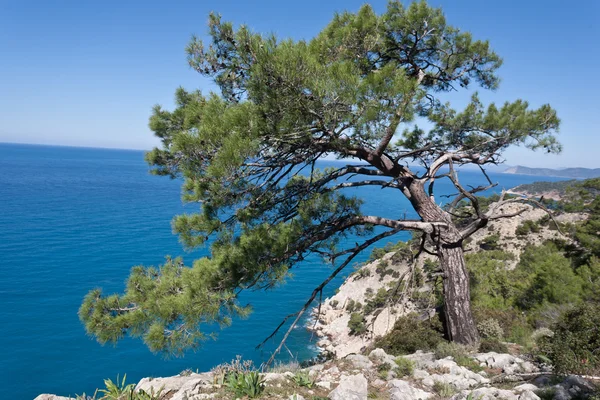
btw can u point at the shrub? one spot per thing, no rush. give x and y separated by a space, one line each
334 303
489 345
527 227
376 302
404 367
248 384
357 324
459 353
302 378
490 242
574 348
411 334
352 306
490 329
443 389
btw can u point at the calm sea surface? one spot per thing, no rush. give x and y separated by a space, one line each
72 219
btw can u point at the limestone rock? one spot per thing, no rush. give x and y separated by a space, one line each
353 387
360 361
402 390
529 395
52 397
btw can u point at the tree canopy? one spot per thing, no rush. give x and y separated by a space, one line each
247 155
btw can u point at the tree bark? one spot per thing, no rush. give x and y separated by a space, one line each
460 325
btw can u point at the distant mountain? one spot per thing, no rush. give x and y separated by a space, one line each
577 173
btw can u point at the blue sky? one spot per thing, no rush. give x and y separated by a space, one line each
86 73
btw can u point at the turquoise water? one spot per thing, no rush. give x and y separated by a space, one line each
72 219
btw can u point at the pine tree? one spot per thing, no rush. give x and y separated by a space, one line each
358 91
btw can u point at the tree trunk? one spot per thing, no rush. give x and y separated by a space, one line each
460 325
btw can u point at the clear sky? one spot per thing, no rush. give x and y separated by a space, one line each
86 73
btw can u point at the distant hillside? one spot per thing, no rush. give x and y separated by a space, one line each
577 173
551 190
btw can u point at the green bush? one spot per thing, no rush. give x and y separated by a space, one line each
404 367
489 345
411 334
490 329
527 227
575 346
357 324
248 384
459 353
302 378
377 301
490 242
352 306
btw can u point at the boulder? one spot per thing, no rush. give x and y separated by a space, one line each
402 390
359 361
52 397
179 387
353 387
529 395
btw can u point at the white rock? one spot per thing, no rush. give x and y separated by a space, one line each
181 386
524 387
491 393
402 390
360 361
529 395
324 384
46 396
353 387
296 396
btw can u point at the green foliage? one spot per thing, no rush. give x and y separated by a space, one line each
490 329
527 227
411 334
490 242
443 389
489 345
116 390
241 384
404 367
574 347
357 324
247 155
459 353
303 379
377 301
491 283
353 305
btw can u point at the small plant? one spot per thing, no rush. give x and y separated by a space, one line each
490 329
353 305
86 397
143 395
410 334
404 367
302 378
334 303
443 389
459 353
116 390
357 324
492 345
242 384
490 242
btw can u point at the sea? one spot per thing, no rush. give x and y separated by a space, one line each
73 219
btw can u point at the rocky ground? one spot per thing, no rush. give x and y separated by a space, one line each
382 376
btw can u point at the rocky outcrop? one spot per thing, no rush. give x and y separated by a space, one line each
387 272
360 377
